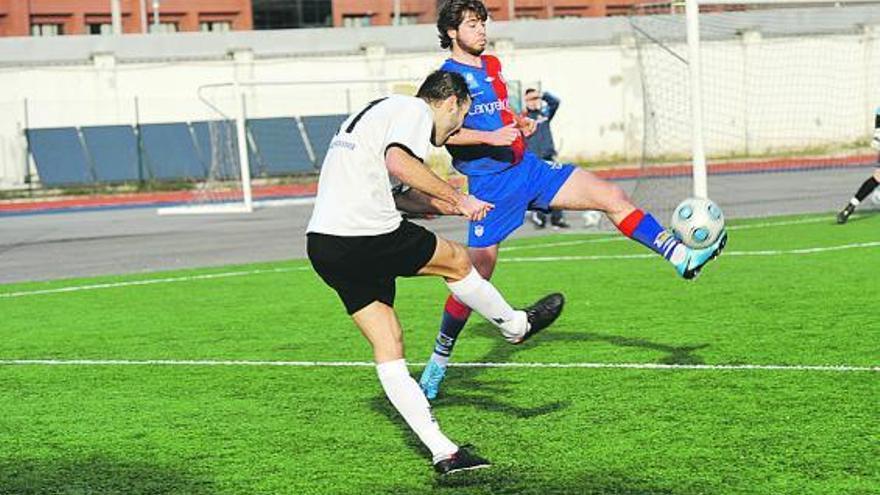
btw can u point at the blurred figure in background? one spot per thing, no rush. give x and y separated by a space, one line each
541 107
871 183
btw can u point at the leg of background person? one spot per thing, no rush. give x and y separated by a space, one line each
539 218
557 218
864 190
379 324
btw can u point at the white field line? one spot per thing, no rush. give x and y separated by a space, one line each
151 281
824 218
617 237
9 295
365 364
776 252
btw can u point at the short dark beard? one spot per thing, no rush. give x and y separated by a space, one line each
472 51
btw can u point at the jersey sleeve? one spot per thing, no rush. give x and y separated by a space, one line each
492 60
410 130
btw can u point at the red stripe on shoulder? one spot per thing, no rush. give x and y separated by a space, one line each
492 64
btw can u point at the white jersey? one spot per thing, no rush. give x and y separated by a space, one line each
354 189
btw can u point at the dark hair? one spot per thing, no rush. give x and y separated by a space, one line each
452 14
441 84
531 90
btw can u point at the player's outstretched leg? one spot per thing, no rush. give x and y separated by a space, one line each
866 188
585 191
380 326
470 290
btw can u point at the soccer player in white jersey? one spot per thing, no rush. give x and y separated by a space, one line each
359 243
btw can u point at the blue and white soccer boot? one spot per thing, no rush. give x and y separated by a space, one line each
696 259
432 377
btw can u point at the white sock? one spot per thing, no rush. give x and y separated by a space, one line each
406 396
854 201
481 296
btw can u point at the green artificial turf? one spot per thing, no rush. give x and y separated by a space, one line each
792 291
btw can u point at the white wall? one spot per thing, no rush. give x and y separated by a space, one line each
831 96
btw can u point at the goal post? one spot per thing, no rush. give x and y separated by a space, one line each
225 185
698 154
266 133
752 89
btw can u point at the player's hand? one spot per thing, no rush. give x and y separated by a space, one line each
444 207
504 136
472 208
527 125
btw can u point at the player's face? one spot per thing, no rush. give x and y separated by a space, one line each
450 118
471 34
533 101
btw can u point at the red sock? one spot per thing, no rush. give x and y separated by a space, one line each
628 225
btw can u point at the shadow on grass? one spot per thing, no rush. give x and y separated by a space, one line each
96 475
468 386
507 480
503 352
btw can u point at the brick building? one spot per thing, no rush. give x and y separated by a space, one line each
354 13
62 17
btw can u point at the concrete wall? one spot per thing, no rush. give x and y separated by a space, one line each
760 92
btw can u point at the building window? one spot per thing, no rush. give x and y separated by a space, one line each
215 26
47 29
101 28
164 27
356 20
407 19
287 14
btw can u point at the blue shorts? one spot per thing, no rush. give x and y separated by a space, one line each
530 185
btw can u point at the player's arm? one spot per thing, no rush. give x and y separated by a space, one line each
413 201
414 173
504 136
552 104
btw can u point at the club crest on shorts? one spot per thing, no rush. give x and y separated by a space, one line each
478 230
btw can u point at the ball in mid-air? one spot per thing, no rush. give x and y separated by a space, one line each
697 222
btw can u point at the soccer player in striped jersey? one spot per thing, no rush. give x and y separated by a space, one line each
491 151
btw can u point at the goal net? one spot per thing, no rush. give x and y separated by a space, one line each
788 92
267 137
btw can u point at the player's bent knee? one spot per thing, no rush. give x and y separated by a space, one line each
460 263
450 261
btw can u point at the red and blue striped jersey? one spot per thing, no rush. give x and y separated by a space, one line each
490 110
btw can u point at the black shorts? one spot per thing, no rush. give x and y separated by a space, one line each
362 269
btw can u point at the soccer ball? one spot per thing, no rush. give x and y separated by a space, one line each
592 218
697 222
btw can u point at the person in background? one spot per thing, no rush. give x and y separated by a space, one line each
541 107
